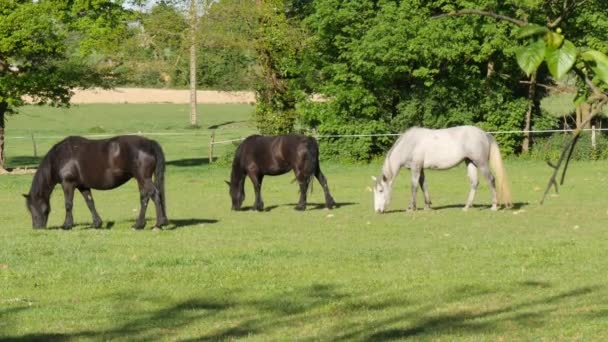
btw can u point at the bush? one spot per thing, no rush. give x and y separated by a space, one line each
549 148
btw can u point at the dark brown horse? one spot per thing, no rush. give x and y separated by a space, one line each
258 156
83 164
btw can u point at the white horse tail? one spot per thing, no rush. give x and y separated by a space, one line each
502 183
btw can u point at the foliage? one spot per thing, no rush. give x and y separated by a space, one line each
389 66
550 148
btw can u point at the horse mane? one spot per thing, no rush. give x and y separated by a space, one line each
42 183
386 167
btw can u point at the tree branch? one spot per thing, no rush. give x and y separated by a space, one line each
483 13
569 147
568 8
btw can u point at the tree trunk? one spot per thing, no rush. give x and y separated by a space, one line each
525 148
583 111
193 20
3 107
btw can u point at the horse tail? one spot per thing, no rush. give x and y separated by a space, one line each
313 161
159 178
502 183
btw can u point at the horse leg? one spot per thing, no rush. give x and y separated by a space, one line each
88 197
329 201
423 185
68 194
416 171
154 193
144 197
256 179
303 180
472 173
485 170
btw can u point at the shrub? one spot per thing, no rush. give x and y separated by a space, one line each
549 148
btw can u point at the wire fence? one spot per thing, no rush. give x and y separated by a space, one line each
322 136
208 138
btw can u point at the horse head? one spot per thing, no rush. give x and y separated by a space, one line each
382 193
39 208
237 193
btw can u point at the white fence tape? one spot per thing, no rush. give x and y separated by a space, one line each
398 134
314 135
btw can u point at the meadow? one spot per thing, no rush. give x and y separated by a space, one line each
535 272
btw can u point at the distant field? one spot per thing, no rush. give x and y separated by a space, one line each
531 273
170 121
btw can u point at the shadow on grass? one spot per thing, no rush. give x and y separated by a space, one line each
23 162
516 206
309 206
189 162
181 223
463 311
216 126
173 224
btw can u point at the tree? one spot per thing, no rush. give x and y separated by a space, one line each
546 45
37 59
269 32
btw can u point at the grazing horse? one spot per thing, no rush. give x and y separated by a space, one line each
258 156
421 148
83 164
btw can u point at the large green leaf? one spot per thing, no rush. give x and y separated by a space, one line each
601 63
554 40
560 61
530 56
530 30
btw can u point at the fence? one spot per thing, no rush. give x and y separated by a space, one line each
213 142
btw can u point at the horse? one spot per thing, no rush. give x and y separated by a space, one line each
421 148
259 155
83 164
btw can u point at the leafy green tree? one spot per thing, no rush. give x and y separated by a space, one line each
385 66
546 45
49 47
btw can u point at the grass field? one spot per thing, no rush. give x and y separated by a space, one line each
532 273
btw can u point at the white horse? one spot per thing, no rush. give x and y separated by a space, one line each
421 148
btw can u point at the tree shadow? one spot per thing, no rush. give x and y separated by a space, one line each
23 162
188 162
216 126
464 321
247 316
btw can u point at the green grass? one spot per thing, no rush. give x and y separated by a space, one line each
533 273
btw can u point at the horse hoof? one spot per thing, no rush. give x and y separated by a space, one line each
162 223
97 225
465 209
157 229
139 226
66 227
494 208
300 207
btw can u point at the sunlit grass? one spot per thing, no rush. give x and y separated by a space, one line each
531 273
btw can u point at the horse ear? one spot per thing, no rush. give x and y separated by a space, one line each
374 178
227 182
27 196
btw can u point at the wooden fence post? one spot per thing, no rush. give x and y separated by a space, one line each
211 144
35 147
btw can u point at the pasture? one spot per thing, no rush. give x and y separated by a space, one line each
531 273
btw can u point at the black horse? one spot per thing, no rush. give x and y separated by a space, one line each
83 164
258 156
